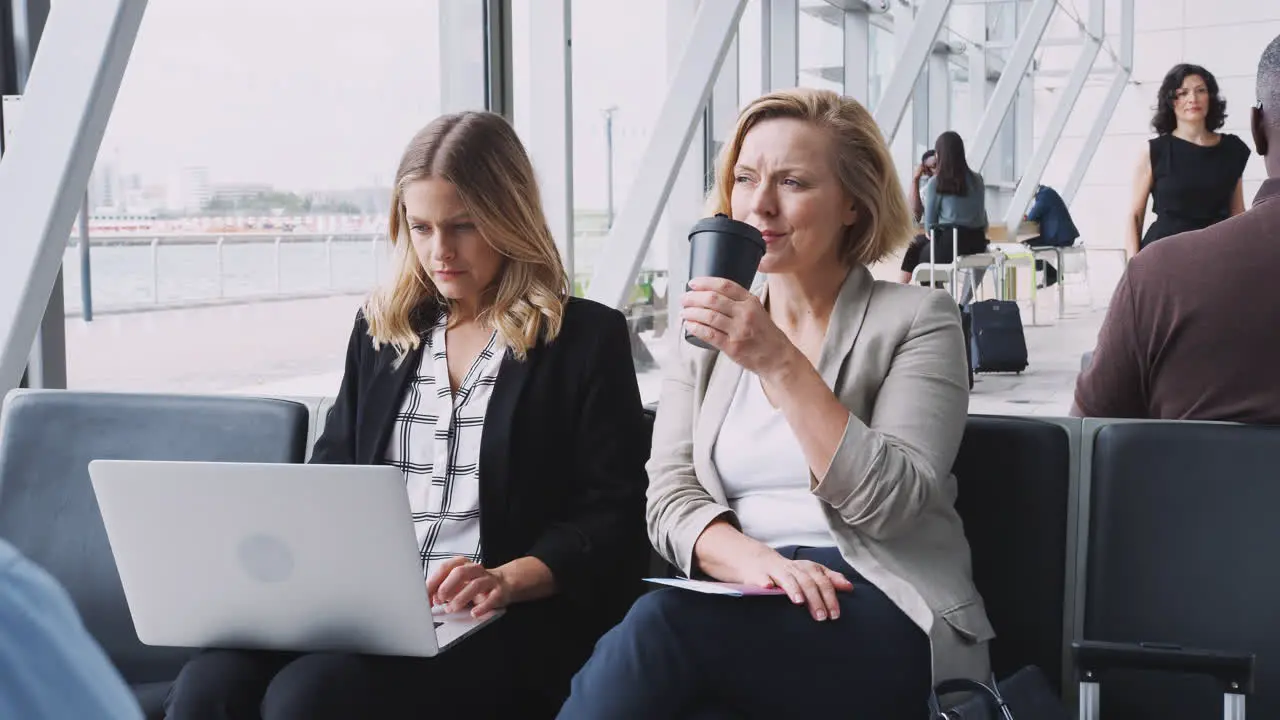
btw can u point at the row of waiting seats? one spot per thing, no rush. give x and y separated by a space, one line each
1105 530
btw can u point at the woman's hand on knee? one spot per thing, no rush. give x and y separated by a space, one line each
724 553
806 583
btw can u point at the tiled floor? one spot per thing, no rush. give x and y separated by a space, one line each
1048 384
1054 345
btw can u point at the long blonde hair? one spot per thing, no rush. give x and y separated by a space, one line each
863 165
480 155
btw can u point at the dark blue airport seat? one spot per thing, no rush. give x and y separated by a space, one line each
1014 479
49 512
1014 484
1181 534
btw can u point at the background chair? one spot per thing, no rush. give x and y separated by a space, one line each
49 512
1060 256
1181 534
947 273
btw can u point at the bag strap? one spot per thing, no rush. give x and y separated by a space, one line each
946 687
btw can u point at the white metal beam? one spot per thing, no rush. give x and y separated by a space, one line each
915 51
47 364
857 59
1096 130
1126 34
1010 80
753 42
1108 107
551 117
1052 133
724 97
783 32
1030 179
73 85
681 111
978 66
939 96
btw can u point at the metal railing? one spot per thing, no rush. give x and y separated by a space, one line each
147 276
220 241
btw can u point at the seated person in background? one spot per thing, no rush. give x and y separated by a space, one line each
1056 228
49 665
923 172
762 474
1186 336
514 412
954 197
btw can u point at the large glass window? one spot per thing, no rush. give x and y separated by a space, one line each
620 81
881 61
821 45
238 202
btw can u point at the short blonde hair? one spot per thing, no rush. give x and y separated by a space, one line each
481 155
863 165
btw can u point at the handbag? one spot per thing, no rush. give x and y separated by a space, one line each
1024 695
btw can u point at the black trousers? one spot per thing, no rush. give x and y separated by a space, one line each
680 654
1050 272
971 241
477 678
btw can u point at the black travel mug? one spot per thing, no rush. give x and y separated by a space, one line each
725 248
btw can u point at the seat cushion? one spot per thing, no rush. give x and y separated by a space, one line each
151 697
48 509
1013 477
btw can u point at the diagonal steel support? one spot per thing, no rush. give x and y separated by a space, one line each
69 96
1100 121
1108 107
687 95
915 52
1010 79
1066 103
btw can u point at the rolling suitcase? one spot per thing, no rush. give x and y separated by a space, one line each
998 343
1093 659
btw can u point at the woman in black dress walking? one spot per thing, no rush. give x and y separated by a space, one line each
1191 171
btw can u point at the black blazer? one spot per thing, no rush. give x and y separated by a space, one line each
562 459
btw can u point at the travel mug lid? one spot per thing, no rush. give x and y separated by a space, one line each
722 223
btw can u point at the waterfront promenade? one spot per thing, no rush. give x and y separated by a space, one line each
297 348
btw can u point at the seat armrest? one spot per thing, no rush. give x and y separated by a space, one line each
1094 659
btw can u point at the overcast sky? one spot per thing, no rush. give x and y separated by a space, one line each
324 94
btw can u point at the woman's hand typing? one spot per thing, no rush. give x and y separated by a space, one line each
460 583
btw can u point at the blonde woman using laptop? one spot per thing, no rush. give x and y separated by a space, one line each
810 452
514 413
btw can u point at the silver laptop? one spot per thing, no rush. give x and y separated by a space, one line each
271 556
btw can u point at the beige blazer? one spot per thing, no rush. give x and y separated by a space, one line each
894 355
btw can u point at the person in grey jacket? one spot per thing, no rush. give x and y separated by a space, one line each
809 454
50 667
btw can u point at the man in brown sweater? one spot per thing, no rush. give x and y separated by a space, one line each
1193 331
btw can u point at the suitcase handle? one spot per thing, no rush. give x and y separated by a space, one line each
1092 659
